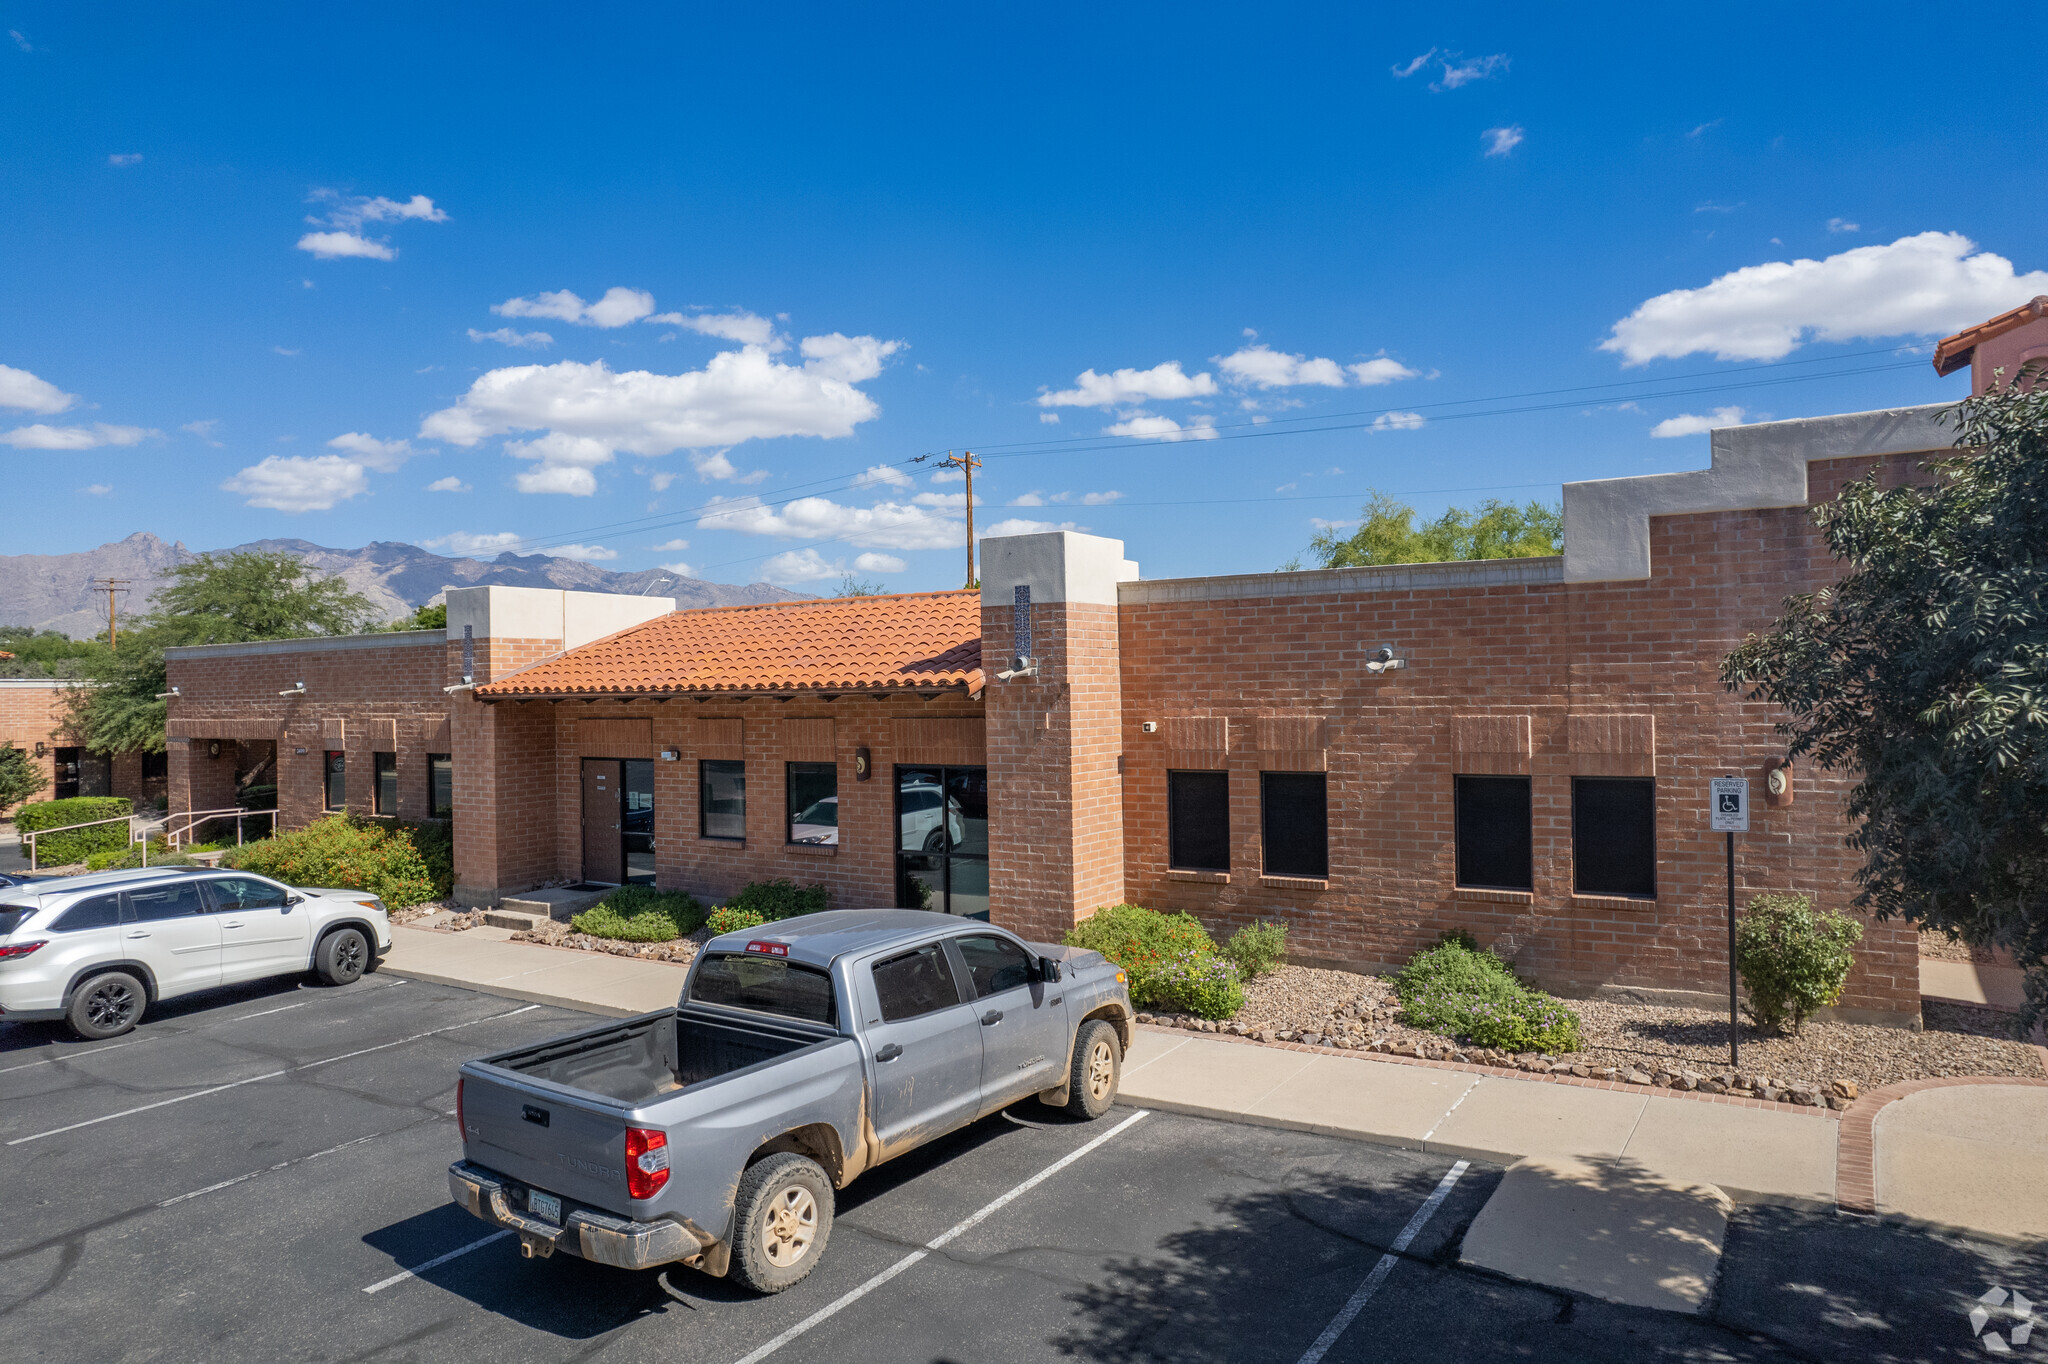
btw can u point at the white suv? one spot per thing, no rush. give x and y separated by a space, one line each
96 950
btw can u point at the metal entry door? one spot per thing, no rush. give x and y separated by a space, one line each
604 848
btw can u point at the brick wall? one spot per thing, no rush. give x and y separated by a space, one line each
32 713
1485 662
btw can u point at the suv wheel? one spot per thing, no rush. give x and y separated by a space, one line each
342 958
106 1006
784 1218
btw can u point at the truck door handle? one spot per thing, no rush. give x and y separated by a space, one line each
991 1018
888 1052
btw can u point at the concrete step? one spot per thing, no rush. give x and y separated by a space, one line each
518 922
560 903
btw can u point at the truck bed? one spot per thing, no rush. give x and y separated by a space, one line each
654 1056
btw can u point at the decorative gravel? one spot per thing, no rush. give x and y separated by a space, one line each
557 934
1646 1044
1934 943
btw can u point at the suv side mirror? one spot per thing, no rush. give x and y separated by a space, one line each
291 900
1048 970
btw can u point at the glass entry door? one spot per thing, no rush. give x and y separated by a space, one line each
942 839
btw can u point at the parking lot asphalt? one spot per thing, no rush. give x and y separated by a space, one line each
251 1175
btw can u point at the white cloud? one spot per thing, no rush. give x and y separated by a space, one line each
1843 225
716 468
1017 525
125 159
619 307
22 390
19 41
1049 418
41 437
670 546
299 483
587 553
1099 499
886 525
204 430
450 484
1406 69
1370 373
849 359
287 351
741 326
381 455
344 246
463 544
1130 386
883 476
660 482
945 501
879 563
1320 524
1397 421
97 489
1501 141
1463 72
1925 285
589 412
681 570
951 475
1141 424
799 566
1030 499
353 210
509 336
1264 367
1710 123
1687 424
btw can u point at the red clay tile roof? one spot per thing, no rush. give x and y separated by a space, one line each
920 639
1954 352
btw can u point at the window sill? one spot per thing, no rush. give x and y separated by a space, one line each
1612 902
1501 897
1213 878
1295 882
812 849
714 838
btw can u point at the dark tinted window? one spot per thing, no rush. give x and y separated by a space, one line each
1614 836
1294 812
11 917
1493 832
385 792
244 892
915 983
722 799
768 985
440 785
173 901
813 803
994 964
337 780
101 911
1198 820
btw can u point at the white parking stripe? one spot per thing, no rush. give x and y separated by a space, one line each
269 1169
267 1012
1386 1265
402 1275
236 1084
855 1295
70 1055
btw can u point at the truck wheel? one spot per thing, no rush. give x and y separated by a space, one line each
1098 1068
342 957
106 1006
782 1219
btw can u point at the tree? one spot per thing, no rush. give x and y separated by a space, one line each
1387 534
850 586
20 777
422 618
1925 671
215 599
43 653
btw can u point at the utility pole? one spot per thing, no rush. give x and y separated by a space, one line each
966 462
110 586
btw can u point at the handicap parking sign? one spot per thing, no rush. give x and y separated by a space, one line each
1728 805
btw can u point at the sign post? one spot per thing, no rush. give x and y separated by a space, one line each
1728 812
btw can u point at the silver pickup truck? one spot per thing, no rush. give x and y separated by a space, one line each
801 1054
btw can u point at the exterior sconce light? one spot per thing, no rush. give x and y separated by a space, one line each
1382 660
297 689
1777 783
1149 727
863 764
42 750
167 695
213 748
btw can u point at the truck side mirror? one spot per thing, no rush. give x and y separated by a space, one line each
1048 970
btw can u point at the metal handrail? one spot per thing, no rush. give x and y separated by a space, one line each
194 818
30 836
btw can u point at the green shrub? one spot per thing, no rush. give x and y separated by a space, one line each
435 840
160 855
1160 953
729 920
641 914
345 853
1258 948
779 899
1200 983
1793 960
1459 991
61 850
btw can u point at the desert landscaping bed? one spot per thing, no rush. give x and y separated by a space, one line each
556 934
1826 1063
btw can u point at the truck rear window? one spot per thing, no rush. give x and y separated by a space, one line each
766 985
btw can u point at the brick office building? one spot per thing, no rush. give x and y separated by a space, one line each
32 718
1517 748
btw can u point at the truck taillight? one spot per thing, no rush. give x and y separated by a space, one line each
461 1127
646 1161
19 949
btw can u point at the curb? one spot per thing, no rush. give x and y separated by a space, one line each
582 1006
1855 1156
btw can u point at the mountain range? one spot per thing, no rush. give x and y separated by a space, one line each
54 591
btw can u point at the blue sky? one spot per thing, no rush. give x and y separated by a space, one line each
677 286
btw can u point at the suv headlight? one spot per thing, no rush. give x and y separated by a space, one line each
373 904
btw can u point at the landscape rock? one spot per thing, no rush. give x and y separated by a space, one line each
1636 1077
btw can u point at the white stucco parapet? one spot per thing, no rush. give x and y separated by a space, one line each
575 618
1607 521
1058 566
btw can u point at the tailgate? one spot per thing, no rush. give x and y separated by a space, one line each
537 1136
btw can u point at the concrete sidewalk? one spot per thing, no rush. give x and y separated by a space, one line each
487 959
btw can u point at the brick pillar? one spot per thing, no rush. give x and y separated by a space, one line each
1056 837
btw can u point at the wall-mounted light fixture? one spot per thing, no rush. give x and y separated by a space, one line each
42 750
167 695
213 748
297 689
1382 660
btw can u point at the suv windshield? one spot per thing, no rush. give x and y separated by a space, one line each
767 985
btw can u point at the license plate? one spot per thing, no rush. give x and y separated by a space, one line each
545 1206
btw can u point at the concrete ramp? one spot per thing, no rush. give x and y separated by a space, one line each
1610 1230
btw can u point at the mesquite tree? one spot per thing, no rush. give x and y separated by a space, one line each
1924 670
